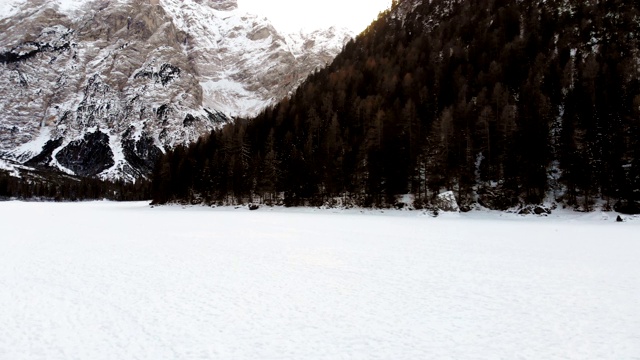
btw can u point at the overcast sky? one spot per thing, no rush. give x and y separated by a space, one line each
291 15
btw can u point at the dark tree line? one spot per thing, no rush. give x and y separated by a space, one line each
502 102
45 185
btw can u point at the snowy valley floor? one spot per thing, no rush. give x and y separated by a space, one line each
125 281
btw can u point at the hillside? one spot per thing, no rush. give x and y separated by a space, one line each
103 88
505 103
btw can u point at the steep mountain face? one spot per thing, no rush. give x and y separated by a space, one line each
105 87
506 103
244 63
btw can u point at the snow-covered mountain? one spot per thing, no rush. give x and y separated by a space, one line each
102 87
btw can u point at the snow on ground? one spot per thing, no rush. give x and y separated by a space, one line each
125 281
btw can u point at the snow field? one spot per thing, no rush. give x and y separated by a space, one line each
125 281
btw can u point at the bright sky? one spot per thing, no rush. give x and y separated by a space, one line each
292 15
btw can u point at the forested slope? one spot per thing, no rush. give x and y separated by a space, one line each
503 102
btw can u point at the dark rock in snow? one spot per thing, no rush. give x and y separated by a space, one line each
534 210
44 158
88 156
141 154
447 202
166 74
29 50
619 219
217 117
539 210
189 120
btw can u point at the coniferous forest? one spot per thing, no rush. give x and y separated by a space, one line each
51 186
503 102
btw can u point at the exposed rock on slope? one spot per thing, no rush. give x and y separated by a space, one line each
103 87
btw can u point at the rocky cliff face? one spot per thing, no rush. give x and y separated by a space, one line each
243 61
103 87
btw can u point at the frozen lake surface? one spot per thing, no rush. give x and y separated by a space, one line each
125 281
